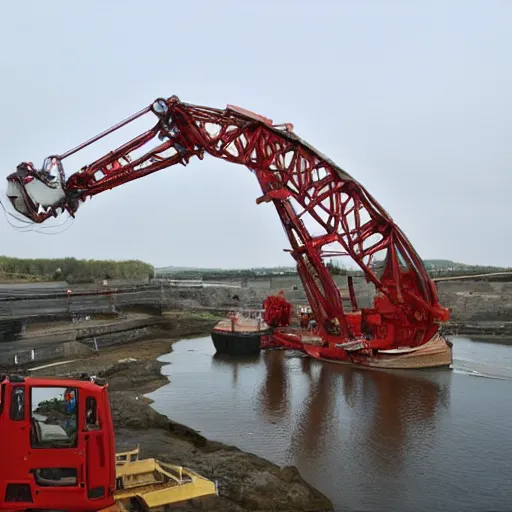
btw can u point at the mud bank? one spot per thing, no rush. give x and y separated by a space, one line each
246 482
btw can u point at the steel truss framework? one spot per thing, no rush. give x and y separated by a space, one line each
325 212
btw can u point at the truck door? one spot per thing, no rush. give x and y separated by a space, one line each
14 429
56 456
97 446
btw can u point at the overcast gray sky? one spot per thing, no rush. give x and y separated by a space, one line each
411 98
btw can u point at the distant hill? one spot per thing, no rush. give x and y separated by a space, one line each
183 269
435 267
221 273
443 264
171 269
450 265
430 264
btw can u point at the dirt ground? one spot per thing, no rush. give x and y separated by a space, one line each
246 482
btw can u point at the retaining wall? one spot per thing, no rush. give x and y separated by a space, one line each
73 343
15 357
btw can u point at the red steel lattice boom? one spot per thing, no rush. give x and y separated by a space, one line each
325 212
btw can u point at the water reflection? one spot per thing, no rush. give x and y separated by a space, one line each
317 421
370 440
305 365
274 393
234 362
405 409
378 414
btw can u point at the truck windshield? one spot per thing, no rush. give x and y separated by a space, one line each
54 417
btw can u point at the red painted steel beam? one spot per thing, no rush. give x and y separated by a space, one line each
306 189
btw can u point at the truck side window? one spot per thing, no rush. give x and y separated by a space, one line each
54 417
18 403
91 414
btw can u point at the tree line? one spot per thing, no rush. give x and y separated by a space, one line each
71 269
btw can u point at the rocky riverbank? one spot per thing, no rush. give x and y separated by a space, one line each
246 482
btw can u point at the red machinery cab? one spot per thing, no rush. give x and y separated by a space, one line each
56 444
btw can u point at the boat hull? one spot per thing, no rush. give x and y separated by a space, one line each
436 353
237 342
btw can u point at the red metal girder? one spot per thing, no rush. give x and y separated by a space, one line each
304 186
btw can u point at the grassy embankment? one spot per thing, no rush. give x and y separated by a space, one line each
71 270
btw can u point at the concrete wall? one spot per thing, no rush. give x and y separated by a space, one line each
82 305
469 299
16 289
254 294
69 350
73 343
117 338
172 297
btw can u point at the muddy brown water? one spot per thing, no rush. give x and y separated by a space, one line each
370 440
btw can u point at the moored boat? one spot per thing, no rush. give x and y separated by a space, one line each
242 333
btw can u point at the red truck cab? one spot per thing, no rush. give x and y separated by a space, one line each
57 445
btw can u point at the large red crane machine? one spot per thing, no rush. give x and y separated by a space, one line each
325 212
